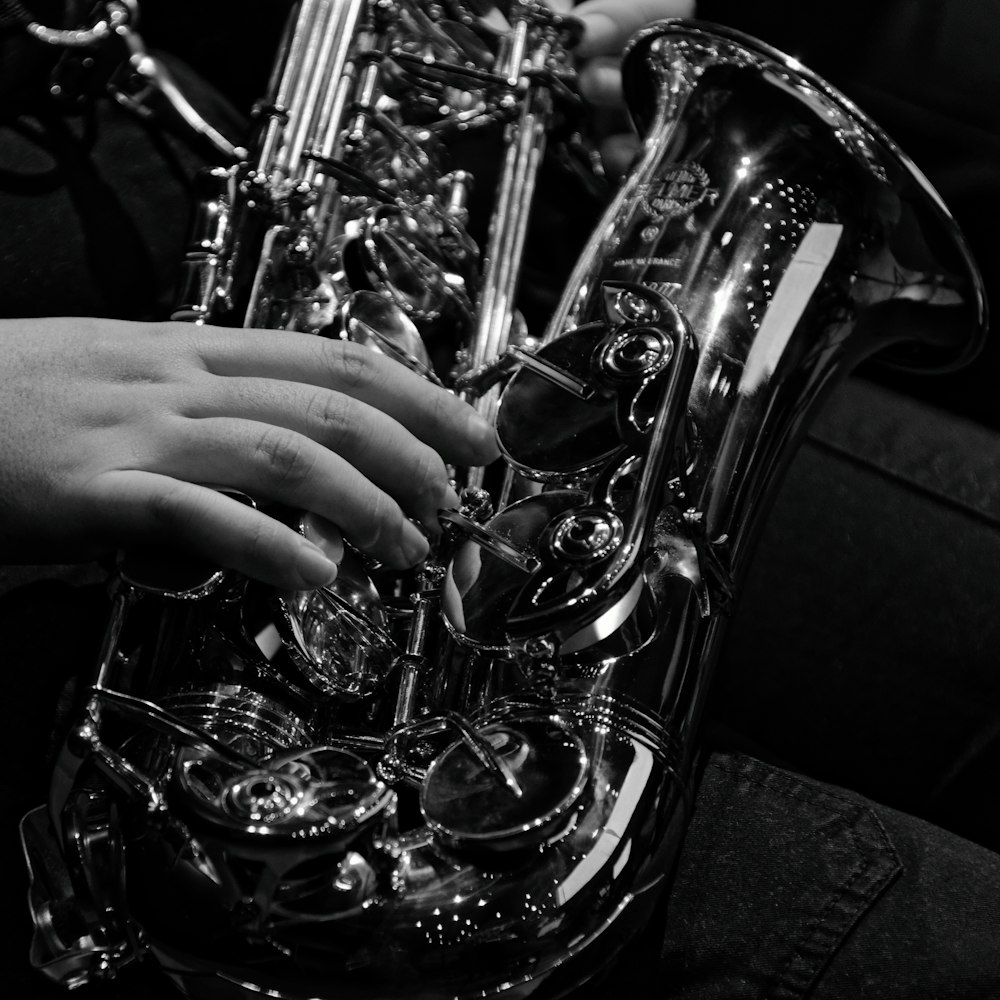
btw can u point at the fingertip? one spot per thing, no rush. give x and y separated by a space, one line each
482 437
618 153
601 83
413 546
313 566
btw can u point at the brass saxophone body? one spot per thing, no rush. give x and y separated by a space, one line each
473 780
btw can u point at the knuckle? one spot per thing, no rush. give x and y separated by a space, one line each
180 335
443 409
330 412
179 343
356 366
284 458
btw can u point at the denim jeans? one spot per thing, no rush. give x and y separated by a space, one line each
788 888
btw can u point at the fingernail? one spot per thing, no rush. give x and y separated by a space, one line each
413 544
313 566
324 534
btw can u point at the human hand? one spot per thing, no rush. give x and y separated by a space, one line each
608 25
112 434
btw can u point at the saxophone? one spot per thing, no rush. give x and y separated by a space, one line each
473 779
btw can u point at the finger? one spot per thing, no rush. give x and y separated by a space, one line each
601 82
608 24
375 444
434 415
143 507
618 153
276 464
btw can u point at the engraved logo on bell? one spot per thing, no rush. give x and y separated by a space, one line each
678 192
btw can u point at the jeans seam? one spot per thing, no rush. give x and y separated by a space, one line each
789 983
786 981
817 793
